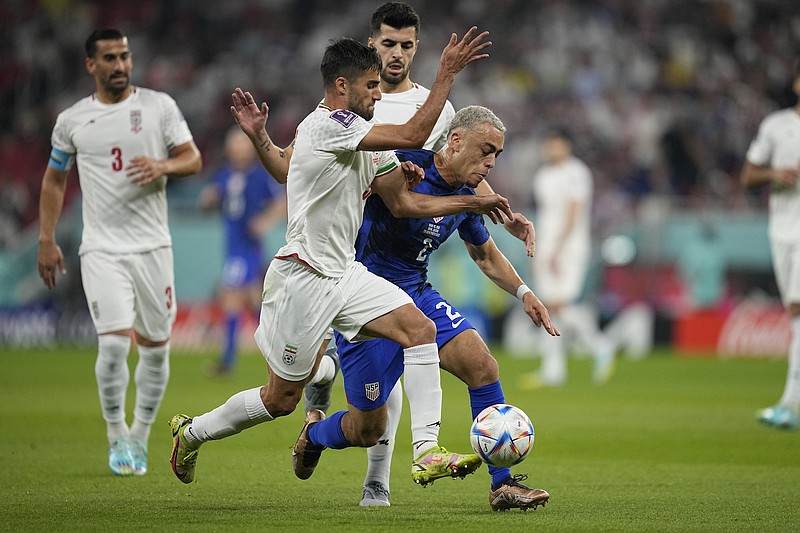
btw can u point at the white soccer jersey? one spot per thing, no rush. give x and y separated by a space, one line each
119 216
398 108
327 186
777 145
555 187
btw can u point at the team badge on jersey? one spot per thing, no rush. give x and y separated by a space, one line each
289 353
372 390
136 120
344 117
438 219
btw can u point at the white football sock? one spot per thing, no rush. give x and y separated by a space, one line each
424 393
151 377
379 457
791 392
111 371
242 410
326 371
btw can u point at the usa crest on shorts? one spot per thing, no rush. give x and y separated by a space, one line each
372 390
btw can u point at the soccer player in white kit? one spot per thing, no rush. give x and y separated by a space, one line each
314 281
563 191
126 141
774 159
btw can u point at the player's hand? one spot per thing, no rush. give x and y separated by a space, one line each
785 177
522 228
539 314
413 173
50 260
144 171
495 207
251 119
458 54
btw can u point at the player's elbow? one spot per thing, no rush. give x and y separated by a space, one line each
400 209
196 164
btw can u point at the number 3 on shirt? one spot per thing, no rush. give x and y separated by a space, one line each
116 162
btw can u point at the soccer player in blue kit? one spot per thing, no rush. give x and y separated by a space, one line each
251 203
398 249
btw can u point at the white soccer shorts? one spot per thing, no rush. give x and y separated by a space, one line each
300 306
786 263
132 290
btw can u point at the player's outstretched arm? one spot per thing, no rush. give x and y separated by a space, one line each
499 269
402 203
51 201
252 119
457 54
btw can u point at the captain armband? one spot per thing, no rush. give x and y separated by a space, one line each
61 160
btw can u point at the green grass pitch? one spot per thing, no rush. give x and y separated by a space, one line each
670 444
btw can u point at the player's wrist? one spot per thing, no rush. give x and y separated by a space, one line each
522 290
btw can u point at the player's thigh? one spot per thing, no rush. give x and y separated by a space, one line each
109 291
786 263
370 370
366 298
298 308
154 284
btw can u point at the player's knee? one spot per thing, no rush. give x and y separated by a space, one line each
369 433
421 331
794 309
482 371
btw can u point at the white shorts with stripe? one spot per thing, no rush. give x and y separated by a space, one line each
300 306
135 290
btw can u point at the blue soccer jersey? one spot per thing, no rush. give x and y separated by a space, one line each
244 196
399 249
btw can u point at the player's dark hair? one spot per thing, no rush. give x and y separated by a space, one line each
348 58
558 132
398 15
797 68
105 34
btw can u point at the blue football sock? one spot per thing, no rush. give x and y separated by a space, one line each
479 399
329 432
229 349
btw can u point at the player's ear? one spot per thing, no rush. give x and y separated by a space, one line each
89 62
370 42
454 141
341 84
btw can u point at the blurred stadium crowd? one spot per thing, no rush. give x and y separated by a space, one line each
662 96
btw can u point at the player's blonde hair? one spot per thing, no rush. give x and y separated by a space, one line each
471 116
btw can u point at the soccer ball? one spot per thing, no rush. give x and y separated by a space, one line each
502 435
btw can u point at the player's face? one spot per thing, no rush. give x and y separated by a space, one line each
396 48
111 65
362 93
476 152
556 150
239 149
